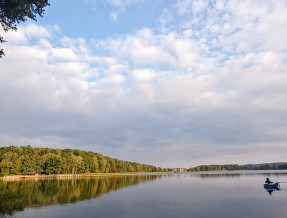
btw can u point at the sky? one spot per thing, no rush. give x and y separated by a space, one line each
170 83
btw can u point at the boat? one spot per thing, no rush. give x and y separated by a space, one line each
274 186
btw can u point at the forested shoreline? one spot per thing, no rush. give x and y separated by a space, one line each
264 166
26 160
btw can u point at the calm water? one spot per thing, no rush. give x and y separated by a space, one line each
234 194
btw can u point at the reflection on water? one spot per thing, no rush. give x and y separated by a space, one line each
17 195
218 175
270 191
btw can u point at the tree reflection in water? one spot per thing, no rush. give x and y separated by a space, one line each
17 195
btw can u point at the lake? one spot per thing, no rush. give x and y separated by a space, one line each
215 194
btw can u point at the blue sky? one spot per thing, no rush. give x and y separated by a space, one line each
171 83
101 19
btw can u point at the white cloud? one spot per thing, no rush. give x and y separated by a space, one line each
64 54
33 30
16 37
116 68
143 74
142 49
23 33
115 79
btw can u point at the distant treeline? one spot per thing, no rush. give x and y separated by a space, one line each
29 161
265 166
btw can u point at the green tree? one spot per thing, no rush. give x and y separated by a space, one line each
28 165
51 164
95 165
10 163
113 166
77 165
13 12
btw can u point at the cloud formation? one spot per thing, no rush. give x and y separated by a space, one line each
207 86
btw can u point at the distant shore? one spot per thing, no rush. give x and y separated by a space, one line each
68 176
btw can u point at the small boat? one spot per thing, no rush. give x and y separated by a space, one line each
274 186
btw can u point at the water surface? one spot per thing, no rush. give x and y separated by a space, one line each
216 194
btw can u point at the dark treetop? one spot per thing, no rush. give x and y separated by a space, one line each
13 12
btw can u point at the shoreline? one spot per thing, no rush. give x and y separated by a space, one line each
72 176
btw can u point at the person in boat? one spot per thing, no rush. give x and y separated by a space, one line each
268 181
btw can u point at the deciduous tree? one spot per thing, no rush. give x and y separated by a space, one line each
12 12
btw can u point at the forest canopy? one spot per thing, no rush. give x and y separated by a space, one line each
26 160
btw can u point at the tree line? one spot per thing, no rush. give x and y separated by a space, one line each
264 166
26 160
